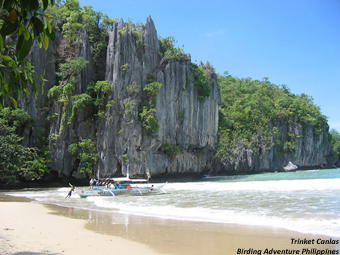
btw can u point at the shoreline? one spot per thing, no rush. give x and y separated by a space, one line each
32 228
23 226
53 180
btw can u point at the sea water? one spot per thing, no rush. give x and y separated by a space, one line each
303 201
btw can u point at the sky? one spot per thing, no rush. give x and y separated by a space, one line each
292 42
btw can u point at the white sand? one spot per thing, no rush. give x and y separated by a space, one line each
34 229
30 228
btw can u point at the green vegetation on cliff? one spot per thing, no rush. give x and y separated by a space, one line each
335 141
86 152
147 109
249 106
201 82
168 51
70 17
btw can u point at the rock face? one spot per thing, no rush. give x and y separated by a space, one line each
195 133
308 150
186 122
44 62
290 167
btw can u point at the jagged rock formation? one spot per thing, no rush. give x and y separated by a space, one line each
196 133
44 62
185 120
309 151
118 135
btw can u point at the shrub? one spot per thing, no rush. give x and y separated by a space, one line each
54 92
132 88
201 83
110 103
17 162
170 149
16 118
150 77
127 107
98 92
147 112
68 89
125 67
52 116
73 149
181 116
88 155
79 101
168 51
86 152
149 122
71 68
152 89
122 31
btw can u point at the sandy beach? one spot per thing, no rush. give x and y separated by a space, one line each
31 228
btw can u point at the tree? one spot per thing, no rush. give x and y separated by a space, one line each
86 152
23 21
70 16
149 121
97 25
98 92
335 141
201 82
71 68
249 106
168 50
73 17
17 162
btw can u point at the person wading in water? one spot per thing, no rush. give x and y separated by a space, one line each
70 192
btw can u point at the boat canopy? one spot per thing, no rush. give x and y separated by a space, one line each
126 179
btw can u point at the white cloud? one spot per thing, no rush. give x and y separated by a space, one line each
334 125
214 34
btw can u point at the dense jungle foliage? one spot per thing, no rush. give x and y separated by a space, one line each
18 162
335 141
249 106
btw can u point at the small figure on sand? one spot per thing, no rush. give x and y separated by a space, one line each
70 192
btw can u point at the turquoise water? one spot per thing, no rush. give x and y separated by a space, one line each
304 201
278 176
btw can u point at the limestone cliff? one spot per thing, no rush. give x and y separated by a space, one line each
195 133
185 121
308 150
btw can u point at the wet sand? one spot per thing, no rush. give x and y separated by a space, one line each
28 228
48 229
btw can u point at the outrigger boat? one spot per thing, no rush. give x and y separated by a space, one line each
121 186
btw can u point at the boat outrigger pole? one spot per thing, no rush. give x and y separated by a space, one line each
128 170
112 193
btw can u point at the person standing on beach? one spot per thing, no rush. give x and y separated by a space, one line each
70 192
